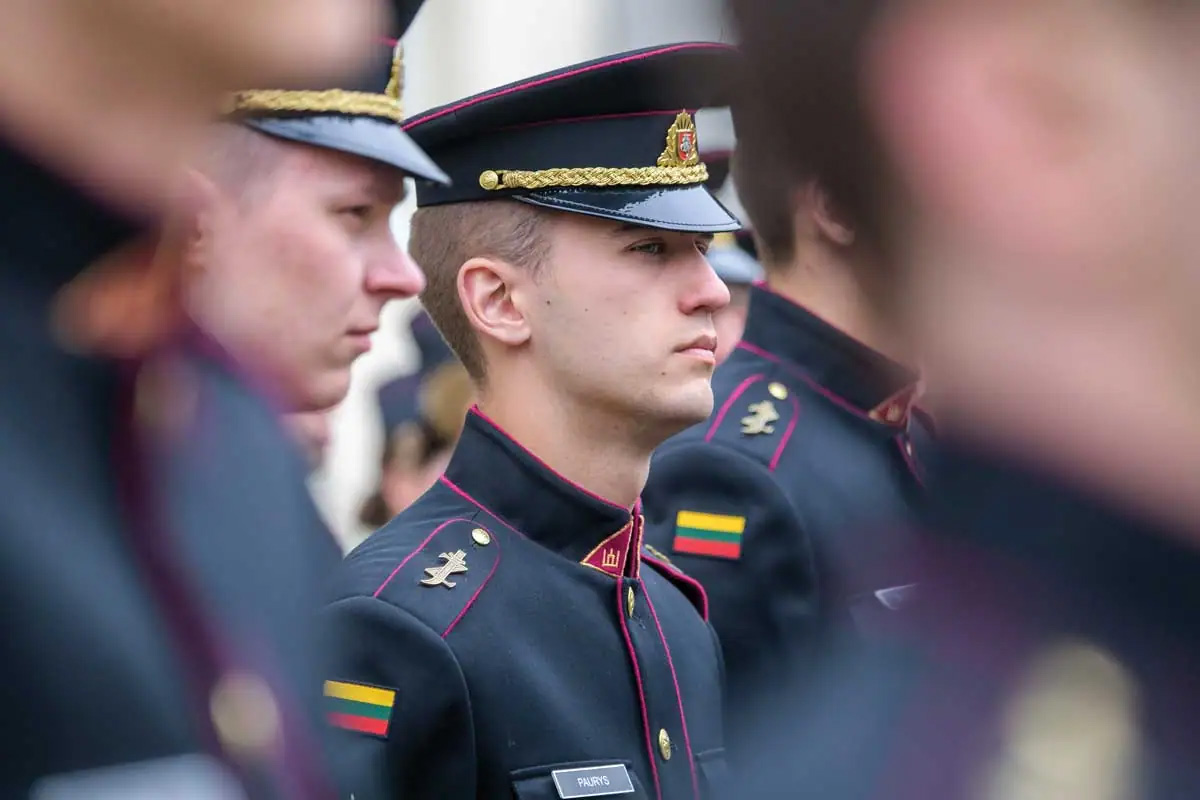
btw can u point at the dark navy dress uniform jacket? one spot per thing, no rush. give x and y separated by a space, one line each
158 547
808 462
561 646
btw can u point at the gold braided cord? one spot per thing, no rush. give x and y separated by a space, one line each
328 101
395 84
567 177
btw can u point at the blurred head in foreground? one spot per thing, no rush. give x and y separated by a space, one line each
1035 174
115 92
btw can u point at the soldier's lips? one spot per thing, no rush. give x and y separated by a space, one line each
360 341
700 354
703 348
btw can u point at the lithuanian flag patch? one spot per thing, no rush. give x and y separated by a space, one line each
702 534
358 707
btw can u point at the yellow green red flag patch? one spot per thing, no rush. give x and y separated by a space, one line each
704 534
358 707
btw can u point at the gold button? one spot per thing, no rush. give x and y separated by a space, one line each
481 537
777 390
664 744
244 714
489 179
629 601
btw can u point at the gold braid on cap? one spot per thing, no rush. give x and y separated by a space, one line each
327 101
679 165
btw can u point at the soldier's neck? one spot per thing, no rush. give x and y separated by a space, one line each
89 107
831 290
593 451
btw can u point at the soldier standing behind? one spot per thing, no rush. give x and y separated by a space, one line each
785 504
506 635
154 621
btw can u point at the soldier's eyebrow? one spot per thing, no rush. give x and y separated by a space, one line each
630 227
387 186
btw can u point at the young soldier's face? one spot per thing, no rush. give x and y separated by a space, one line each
623 319
293 272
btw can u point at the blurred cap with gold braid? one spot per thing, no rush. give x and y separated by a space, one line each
360 116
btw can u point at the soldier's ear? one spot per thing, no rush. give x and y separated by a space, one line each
489 290
195 217
831 224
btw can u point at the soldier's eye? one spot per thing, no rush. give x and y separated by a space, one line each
359 212
650 248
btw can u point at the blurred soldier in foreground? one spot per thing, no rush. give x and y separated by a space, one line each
1044 178
157 546
506 635
422 418
778 503
292 256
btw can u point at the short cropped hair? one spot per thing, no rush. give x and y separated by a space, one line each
442 238
802 117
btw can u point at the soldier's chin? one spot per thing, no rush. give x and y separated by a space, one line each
322 392
690 406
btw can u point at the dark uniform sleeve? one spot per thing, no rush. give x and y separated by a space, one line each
427 750
761 581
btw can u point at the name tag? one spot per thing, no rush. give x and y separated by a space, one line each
187 777
592 781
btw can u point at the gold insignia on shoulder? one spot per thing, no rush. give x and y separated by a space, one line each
760 419
683 150
777 390
456 562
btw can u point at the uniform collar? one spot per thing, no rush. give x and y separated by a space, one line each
50 230
493 471
865 379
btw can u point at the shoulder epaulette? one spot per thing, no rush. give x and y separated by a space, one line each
757 417
690 587
440 580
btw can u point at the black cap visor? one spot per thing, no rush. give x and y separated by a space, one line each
675 208
371 138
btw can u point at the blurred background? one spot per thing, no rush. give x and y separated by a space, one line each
454 49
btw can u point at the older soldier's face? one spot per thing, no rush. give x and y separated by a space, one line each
292 269
624 319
